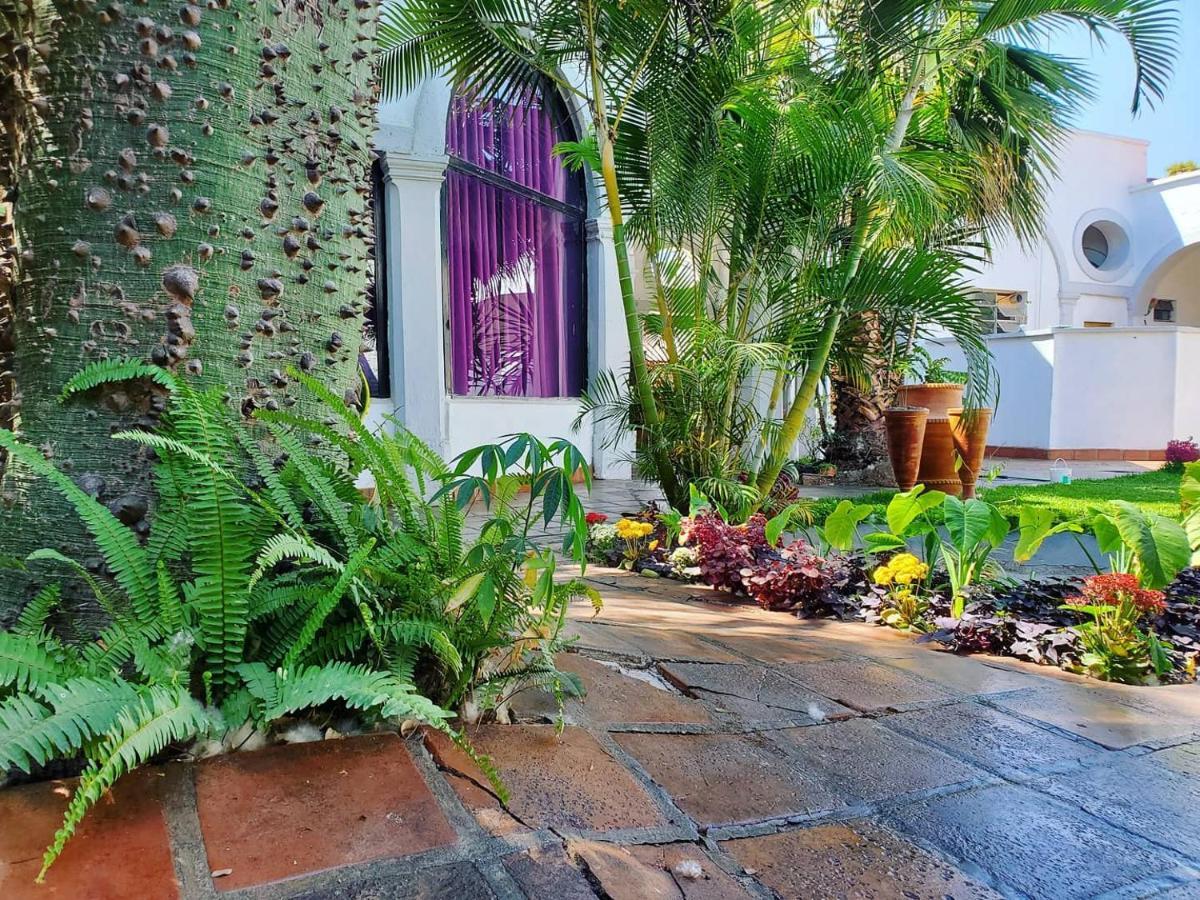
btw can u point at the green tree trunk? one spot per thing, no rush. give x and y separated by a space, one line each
196 195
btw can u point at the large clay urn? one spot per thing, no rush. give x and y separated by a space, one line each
905 437
937 470
937 397
969 429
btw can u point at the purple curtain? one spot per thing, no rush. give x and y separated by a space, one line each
515 262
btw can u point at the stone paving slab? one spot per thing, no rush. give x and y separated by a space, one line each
121 849
857 858
1137 795
866 761
565 781
548 873
868 686
324 805
963 675
752 693
993 739
728 778
670 872
1032 843
613 697
1101 714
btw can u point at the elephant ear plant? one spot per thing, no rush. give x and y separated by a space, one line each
269 587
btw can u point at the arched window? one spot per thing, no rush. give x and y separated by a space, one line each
514 243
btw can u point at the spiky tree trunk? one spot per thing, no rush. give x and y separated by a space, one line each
195 195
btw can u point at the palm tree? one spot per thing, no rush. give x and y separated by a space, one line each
187 183
614 48
967 76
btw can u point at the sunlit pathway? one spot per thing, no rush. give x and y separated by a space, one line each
721 752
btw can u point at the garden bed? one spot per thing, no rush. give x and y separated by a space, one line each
1111 625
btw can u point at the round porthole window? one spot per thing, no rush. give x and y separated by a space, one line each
1102 245
1095 246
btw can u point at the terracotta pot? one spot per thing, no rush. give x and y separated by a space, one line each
936 471
937 398
969 428
905 435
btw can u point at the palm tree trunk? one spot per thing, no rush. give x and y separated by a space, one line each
196 196
633 322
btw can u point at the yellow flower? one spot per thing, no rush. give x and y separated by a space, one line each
883 575
653 545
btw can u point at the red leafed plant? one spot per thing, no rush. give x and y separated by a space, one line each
595 518
795 578
1112 589
724 549
1181 452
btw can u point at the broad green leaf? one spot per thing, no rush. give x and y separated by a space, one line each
906 508
967 523
841 526
466 590
1104 529
1037 524
883 542
1159 544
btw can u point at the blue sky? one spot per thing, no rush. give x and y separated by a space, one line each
1173 127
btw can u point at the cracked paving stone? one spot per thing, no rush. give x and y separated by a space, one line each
614 697
554 781
548 872
292 809
867 686
868 762
857 859
127 825
1033 844
772 648
655 872
728 778
1138 795
992 739
1184 759
753 693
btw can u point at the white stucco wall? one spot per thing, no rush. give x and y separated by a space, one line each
412 136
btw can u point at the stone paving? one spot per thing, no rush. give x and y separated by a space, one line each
722 753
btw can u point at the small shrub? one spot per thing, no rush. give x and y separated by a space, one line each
724 550
1115 647
1179 454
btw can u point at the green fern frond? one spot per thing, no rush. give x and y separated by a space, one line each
287 546
170 604
102 597
346 639
324 494
25 664
33 617
109 371
79 710
163 716
118 544
276 491
268 599
329 602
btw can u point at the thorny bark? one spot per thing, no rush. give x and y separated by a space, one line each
195 194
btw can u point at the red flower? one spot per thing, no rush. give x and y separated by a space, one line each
595 518
1111 589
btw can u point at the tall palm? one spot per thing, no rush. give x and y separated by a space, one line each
614 48
971 72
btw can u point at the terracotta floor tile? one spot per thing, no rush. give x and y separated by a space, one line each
121 849
554 781
615 697
728 778
854 859
294 809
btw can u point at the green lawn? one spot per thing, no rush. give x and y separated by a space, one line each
1154 491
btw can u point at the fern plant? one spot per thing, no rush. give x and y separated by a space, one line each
269 585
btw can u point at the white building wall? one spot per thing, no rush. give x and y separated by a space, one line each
412 136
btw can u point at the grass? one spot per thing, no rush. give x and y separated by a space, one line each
1156 492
